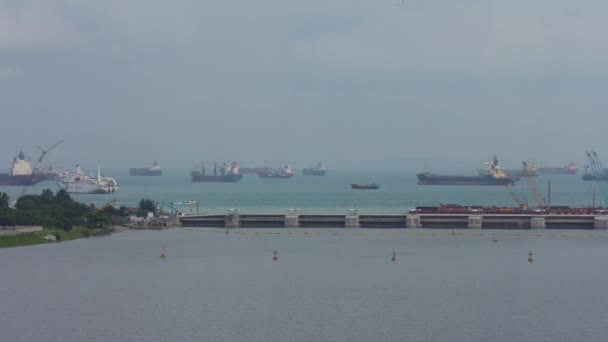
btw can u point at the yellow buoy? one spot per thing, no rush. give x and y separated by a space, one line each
275 255
162 253
394 257
530 259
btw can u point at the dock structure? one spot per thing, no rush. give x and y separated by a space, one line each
540 220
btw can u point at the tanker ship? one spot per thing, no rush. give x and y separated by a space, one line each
221 174
494 176
568 169
148 170
20 173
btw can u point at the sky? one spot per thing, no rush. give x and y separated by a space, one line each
405 84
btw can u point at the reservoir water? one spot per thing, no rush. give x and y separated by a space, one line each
328 285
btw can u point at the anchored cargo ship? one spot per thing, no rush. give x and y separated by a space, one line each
283 172
225 173
20 173
591 177
148 170
568 169
494 176
318 170
250 170
79 183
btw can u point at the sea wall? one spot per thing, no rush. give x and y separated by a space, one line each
16 230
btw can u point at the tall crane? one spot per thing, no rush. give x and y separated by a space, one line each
595 164
38 163
497 172
532 181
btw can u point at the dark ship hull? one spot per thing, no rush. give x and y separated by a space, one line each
432 179
313 172
513 173
365 186
10 180
588 177
229 178
134 171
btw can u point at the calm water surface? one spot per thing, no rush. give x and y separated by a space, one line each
328 285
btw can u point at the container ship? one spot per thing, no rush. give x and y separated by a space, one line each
148 170
568 169
318 170
494 176
226 173
20 173
283 172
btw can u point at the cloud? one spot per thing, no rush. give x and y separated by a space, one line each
487 36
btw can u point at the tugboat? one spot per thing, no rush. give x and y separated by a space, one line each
318 170
372 186
225 173
79 183
148 170
284 172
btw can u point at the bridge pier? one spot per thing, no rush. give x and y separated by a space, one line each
292 221
412 221
232 220
475 222
351 221
537 222
600 222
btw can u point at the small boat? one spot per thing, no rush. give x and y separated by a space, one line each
372 186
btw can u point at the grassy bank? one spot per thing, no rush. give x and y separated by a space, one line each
60 235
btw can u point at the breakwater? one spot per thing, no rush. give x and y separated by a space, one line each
537 220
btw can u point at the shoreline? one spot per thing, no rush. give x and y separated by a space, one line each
38 238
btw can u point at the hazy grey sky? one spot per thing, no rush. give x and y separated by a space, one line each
405 83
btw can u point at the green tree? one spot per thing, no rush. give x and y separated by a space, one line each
146 205
4 200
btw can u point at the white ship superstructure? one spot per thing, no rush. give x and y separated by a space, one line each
79 183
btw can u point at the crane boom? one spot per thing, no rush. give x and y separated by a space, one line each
600 173
533 187
38 163
522 203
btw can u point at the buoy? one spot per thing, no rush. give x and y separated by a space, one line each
162 253
227 231
530 259
494 239
394 257
275 255
453 231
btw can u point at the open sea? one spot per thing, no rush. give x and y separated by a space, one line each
327 194
328 285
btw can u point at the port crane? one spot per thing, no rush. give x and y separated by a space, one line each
595 164
496 171
39 162
527 169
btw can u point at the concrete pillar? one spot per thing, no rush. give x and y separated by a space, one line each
600 222
537 222
412 221
292 221
475 221
351 221
232 220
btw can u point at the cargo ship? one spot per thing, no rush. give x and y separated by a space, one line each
283 172
20 173
318 170
79 183
250 170
528 170
568 169
494 176
372 186
225 173
148 170
591 177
